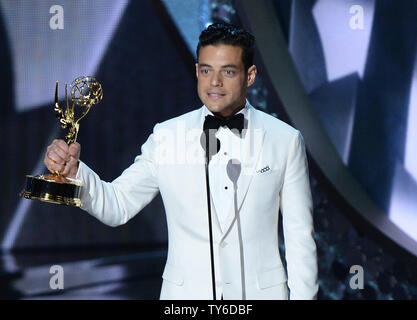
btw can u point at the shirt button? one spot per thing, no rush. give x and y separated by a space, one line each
225 187
225 153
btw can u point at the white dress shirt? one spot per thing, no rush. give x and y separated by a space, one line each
221 187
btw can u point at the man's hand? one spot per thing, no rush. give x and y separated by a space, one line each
60 157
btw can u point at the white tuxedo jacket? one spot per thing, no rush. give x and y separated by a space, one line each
246 248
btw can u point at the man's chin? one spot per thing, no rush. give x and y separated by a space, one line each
215 108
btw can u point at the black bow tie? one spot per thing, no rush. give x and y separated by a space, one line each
235 122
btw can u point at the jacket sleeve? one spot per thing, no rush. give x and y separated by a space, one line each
297 214
115 203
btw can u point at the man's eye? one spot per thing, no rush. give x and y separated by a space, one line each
229 72
204 71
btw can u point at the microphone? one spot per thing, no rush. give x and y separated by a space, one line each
234 168
211 145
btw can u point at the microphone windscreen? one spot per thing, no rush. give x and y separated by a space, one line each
234 167
212 145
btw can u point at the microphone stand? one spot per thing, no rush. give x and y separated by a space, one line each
209 154
213 278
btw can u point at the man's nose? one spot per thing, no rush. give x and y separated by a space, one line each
216 80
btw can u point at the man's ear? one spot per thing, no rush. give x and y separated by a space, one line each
196 70
252 71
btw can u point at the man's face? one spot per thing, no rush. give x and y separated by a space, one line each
221 77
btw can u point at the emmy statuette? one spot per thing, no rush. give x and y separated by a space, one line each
86 91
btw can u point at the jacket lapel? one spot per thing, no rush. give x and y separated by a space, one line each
251 150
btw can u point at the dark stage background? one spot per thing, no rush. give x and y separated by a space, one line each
359 82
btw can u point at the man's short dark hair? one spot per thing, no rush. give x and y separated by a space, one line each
224 33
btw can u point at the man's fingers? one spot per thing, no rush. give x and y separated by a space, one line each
69 166
64 155
75 150
53 167
56 159
61 158
61 145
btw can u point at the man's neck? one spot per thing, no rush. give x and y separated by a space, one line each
236 110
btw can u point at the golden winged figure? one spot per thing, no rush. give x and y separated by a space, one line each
86 91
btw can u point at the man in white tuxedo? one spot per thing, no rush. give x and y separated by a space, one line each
259 170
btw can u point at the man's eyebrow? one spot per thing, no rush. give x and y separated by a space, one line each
223 67
230 66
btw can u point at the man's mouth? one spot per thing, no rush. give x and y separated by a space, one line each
215 95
